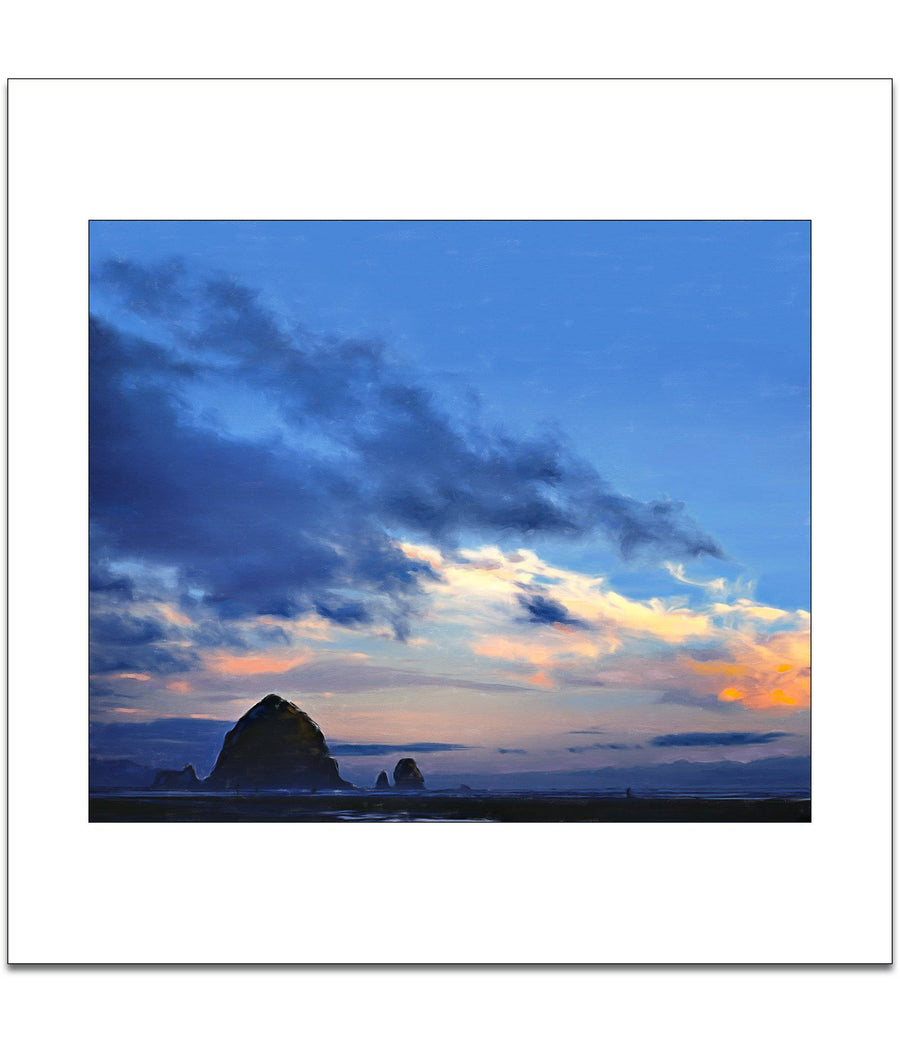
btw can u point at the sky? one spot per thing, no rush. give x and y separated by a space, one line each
503 496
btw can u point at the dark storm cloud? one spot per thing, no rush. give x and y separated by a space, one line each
695 738
152 288
281 521
102 581
100 691
344 614
124 629
255 526
122 643
545 611
140 659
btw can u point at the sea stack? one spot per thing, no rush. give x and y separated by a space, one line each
275 745
381 782
407 775
186 778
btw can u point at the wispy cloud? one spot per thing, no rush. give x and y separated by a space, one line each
616 746
706 738
718 654
376 749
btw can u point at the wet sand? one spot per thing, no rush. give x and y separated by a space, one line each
436 806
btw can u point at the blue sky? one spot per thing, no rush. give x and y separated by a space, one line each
674 354
371 411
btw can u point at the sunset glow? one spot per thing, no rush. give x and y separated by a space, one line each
464 487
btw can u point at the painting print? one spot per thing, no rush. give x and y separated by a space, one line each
449 521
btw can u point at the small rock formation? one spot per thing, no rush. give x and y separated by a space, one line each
407 775
186 778
275 745
465 788
381 782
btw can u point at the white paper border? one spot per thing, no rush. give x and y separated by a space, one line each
450 893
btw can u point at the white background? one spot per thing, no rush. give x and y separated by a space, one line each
542 150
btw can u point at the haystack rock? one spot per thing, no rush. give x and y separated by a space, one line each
186 778
275 745
381 782
407 775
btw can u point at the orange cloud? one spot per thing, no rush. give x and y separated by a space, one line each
514 651
560 646
423 553
312 628
181 687
249 665
725 669
172 615
762 678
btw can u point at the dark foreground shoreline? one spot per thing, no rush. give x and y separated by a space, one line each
436 806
